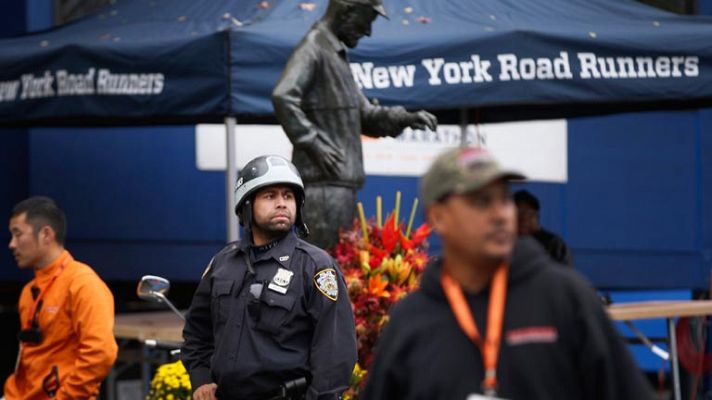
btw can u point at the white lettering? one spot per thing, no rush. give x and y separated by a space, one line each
481 68
452 73
380 78
544 68
527 69
662 67
508 67
626 67
562 68
433 65
676 63
75 84
129 84
691 66
8 90
645 67
607 67
588 66
362 74
402 75
466 66
33 87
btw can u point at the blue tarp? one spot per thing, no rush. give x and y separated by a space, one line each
187 60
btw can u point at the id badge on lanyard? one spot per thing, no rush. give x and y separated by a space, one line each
483 397
489 347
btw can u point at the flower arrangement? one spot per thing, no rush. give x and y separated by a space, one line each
170 382
381 264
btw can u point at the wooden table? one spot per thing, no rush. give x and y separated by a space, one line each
668 310
161 326
166 327
162 329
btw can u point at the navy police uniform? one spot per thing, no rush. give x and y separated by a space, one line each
264 316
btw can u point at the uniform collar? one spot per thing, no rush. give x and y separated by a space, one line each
334 43
282 252
46 273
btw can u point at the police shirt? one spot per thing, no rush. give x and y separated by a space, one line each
251 329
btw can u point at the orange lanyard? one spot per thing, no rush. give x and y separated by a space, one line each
33 310
495 317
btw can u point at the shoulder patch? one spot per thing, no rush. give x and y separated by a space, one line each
325 281
208 268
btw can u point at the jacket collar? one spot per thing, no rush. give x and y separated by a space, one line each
281 252
334 43
46 273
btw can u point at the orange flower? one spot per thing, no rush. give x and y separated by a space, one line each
380 269
377 286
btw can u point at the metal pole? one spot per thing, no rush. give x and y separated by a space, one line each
674 360
230 179
463 127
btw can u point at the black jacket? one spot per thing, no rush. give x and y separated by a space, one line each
554 245
251 332
557 342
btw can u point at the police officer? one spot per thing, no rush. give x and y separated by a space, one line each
271 308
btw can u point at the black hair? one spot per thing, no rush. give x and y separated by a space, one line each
41 211
524 196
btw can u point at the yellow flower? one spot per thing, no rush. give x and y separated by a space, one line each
171 382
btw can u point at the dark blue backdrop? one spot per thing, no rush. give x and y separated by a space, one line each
635 208
197 60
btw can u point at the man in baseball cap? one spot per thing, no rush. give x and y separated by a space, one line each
494 317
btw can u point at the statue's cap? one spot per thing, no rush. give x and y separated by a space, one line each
377 5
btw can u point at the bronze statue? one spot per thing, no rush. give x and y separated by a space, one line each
323 112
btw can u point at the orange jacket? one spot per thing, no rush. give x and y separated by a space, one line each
77 323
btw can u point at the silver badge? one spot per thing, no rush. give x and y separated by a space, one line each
284 258
280 281
283 277
326 283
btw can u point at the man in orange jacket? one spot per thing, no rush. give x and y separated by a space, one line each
67 344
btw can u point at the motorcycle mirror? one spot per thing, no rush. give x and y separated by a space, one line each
153 288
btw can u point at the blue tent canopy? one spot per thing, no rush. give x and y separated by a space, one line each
146 61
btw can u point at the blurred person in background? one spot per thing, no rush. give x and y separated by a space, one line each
495 317
528 224
67 344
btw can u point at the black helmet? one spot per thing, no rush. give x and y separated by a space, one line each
266 171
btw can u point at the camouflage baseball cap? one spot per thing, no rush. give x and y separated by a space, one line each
460 171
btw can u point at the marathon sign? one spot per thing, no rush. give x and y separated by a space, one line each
93 81
509 67
412 152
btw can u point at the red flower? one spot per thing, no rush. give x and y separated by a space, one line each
379 270
390 235
420 235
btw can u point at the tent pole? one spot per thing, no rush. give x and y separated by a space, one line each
463 127
230 179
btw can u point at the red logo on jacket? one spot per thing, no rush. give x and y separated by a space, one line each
532 334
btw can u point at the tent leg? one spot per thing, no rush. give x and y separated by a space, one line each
463 127
230 179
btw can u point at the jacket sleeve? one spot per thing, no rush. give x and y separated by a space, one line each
287 98
198 343
93 321
333 347
379 121
606 368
